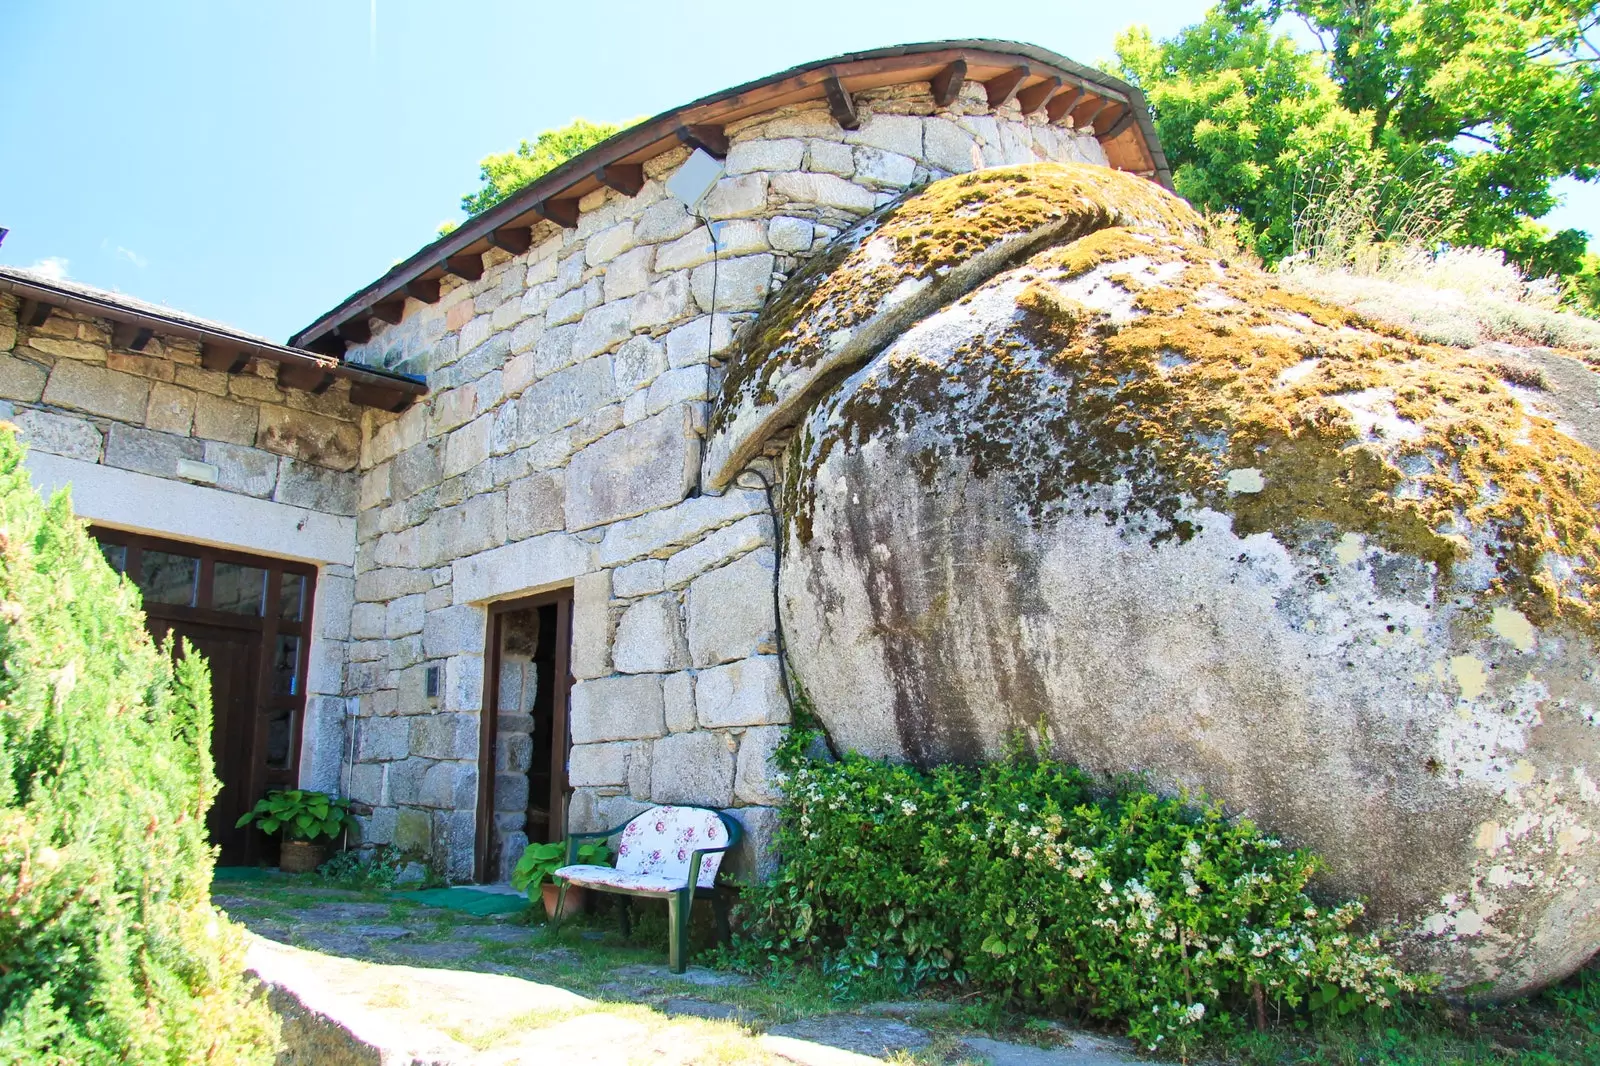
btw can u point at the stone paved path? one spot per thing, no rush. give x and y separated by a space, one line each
360 980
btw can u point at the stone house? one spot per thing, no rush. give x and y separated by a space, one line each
448 549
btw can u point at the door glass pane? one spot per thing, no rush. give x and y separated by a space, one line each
116 556
280 729
286 666
291 599
238 588
169 578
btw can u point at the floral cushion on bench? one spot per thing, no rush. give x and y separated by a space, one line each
653 851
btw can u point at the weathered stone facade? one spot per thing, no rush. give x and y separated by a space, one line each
561 445
81 403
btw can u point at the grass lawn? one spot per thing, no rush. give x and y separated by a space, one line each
589 956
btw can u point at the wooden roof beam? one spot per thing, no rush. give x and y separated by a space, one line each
1122 122
390 311
626 178
357 330
364 395
946 84
1087 123
563 212
467 267
840 103
1061 104
33 313
424 289
221 358
1033 97
130 336
1003 89
713 140
307 378
513 239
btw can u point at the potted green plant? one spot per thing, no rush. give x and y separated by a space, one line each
540 861
304 816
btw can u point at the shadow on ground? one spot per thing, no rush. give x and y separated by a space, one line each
369 978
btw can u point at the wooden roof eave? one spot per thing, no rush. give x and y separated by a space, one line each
554 195
229 352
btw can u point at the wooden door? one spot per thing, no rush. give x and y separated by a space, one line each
250 616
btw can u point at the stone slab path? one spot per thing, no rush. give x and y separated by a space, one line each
360 981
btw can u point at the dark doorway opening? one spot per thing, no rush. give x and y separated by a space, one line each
522 787
250 617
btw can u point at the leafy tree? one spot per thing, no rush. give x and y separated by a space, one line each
1496 100
110 950
505 172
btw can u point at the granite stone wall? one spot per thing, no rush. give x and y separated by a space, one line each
560 446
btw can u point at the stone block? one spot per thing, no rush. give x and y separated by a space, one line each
463 684
564 397
741 284
591 625
451 408
637 363
730 611
382 740
650 637
511 793
92 388
652 534
149 452
403 616
171 409
445 736
468 446
404 779
663 220
740 196
692 768
366 784
790 234
949 147
617 708
568 307
452 786
827 190
454 630
689 384
757 780
379 827
884 169
453 843
829 157
697 341
514 752
536 504
600 765
603 328
747 156
677 694
60 435
642 467
315 487
748 692
666 301
628 274
639 579
21 379
242 469
729 542
690 250
413 832
63 348
901 134
606 245
309 437
417 468
740 236
756 857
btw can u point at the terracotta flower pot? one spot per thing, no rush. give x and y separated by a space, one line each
573 903
301 856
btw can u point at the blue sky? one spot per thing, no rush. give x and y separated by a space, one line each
256 162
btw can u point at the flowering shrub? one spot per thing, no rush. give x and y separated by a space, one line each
1018 877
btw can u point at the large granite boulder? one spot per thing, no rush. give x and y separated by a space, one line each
1055 468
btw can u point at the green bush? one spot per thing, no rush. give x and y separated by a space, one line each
110 950
1020 878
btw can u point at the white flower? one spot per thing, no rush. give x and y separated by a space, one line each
1195 1012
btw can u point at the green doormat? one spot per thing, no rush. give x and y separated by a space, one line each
243 873
469 900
